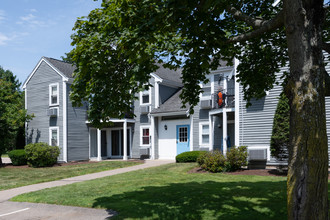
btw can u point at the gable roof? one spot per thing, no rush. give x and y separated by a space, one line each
168 74
64 67
172 105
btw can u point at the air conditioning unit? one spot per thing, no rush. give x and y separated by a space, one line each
144 109
257 154
206 104
52 112
144 151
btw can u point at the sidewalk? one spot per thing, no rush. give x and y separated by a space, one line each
10 193
6 160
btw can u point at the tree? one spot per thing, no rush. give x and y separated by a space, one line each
280 138
123 41
12 112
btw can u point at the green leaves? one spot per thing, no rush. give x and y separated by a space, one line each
12 112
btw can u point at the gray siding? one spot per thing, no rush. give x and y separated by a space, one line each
141 120
37 91
77 140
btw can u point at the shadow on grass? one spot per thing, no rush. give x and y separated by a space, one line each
201 200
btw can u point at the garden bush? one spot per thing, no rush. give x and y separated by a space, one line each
213 161
41 154
189 156
17 157
236 158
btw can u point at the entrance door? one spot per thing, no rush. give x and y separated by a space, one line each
117 143
182 138
103 143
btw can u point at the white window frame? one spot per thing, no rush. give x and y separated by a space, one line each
141 100
201 124
202 85
141 136
58 135
50 94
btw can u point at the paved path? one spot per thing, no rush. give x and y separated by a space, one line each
10 193
38 211
15 210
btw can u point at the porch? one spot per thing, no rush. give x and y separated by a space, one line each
113 142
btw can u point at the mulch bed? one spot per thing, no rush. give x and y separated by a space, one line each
257 172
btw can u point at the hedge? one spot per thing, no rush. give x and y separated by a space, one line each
17 157
41 154
189 156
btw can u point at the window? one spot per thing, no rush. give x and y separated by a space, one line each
204 133
53 136
53 94
206 88
145 97
183 134
145 136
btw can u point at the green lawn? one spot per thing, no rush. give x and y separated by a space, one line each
4 155
169 192
18 176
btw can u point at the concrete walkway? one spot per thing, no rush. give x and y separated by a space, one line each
10 193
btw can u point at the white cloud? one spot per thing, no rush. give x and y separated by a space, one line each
3 39
2 15
31 20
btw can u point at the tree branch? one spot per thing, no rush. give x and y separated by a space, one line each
254 22
326 47
266 26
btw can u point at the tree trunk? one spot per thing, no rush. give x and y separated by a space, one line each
307 184
0 161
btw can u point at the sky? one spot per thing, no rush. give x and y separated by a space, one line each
30 29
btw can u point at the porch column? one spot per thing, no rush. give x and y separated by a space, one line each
224 131
211 132
237 98
99 158
125 140
152 141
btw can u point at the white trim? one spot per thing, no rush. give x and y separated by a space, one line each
65 118
152 133
157 95
36 68
237 110
157 78
125 140
211 134
99 152
224 131
141 135
201 124
191 133
58 135
50 86
116 120
141 93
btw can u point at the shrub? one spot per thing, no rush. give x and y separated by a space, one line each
17 157
41 154
279 141
189 156
213 161
236 158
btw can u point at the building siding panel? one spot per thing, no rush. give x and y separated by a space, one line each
38 103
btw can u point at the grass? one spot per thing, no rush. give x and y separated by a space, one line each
169 192
17 176
4 155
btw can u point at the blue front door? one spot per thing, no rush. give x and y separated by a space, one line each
182 138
